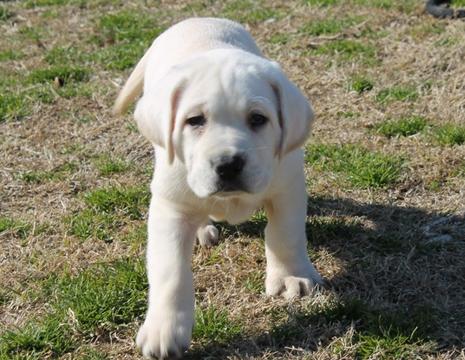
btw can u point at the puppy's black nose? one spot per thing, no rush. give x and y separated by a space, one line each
230 167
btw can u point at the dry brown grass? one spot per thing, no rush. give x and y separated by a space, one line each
396 251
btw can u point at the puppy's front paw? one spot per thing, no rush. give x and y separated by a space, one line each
291 285
208 235
165 336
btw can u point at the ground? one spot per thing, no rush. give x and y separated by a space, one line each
385 169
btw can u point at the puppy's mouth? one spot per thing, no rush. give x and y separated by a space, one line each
226 189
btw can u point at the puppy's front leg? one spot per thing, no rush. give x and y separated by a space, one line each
167 329
289 271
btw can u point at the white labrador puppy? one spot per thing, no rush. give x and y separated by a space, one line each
226 125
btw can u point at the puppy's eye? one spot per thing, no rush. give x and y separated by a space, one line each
196 121
257 120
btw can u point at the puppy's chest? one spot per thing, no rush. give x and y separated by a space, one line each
233 211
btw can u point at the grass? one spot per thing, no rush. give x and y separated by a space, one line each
63 74
361 84
397 93
18 228
247 11
321 229
321 2
327 26
407 126
132 201
379 332
88 223
123 37
12 107
5 14
384 224
386 346
56 174
214 325
255 283
450 134
107 211
10 55
109 165
63 55
361 167
406 6
88 305
39 3
348 51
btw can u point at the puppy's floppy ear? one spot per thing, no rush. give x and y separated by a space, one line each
155 112
295 113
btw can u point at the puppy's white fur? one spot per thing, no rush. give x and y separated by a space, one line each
212 67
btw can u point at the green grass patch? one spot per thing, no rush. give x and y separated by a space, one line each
107 210
18 228
87 223
361 167
90 305
402 6
449 134
397 93
388 345
108 165
49 335
9 54
40 3
361 84
136 236
327 26
348 114
131 201
348 51
255 282
120 56
447 41
92 354
427 30
13 107
59 56
104 296
64 74
213 325
248 11
402 127
124 36
58 173
5 13
279 39
31 33
127 26
321 2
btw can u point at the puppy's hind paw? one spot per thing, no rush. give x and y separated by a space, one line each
208 235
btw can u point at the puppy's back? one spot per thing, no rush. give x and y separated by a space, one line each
196 35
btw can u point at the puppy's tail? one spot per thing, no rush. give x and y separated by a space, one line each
133 87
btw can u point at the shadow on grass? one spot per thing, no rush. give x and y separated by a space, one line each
400 291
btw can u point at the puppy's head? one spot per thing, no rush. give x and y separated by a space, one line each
228 116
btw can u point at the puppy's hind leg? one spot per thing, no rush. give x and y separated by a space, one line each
208 235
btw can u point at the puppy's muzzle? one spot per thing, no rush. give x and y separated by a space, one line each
229 170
